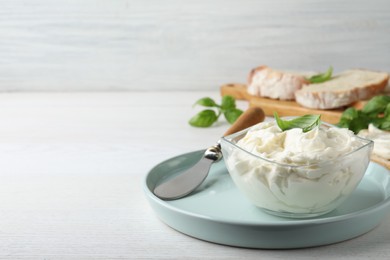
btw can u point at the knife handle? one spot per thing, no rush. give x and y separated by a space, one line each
250 117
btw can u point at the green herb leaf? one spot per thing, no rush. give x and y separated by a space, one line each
206 102
387 112
347 116
355 120
376 112
204 118
322 77
359 123
207 117
232 115
376 105
350 113
228 102
306 122
385 125
384 122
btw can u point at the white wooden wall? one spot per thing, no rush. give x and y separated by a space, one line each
175 45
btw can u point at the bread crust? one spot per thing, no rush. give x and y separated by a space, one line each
331 99
253 72
266 82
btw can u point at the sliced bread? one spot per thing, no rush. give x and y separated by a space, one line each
343 89
266 82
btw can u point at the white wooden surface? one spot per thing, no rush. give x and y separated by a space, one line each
177 45
72 167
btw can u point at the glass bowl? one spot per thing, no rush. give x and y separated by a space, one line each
295 191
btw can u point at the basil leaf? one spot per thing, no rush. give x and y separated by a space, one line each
347 116
385 125
319 78
355 120
384 122
387 112
376 112
359 123
207 117
376 105
206 102
204 118
231 115
228 102
306 122
350 113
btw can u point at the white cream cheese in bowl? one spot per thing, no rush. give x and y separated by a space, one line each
295 174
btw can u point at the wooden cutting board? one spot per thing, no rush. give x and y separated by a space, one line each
283 108
290 108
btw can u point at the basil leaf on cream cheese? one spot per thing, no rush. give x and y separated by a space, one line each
306 122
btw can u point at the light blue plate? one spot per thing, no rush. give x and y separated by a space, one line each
218 213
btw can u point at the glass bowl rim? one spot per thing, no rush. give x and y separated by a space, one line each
241 134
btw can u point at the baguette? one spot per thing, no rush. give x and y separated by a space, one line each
343 89
266 82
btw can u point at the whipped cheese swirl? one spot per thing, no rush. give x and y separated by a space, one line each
298 172
298 148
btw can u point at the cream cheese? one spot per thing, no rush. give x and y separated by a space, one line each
381 140
282 182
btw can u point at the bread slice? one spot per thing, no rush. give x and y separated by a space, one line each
343 89
266 82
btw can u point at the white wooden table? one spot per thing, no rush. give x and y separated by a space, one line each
72 167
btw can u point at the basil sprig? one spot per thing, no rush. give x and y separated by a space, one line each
207 117
306 122
322 77
376 112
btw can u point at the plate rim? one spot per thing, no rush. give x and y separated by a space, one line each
290 223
